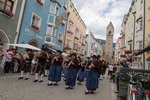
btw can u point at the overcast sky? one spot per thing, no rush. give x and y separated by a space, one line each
98 13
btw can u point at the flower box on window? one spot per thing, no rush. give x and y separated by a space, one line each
40 2
62 23
128 51
35 27
60 40
7 12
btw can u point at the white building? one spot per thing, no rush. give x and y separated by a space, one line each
93 47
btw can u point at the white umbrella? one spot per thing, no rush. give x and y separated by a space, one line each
28 46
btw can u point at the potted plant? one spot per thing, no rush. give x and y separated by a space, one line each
123 87
40 2
7 12
35 27
60 40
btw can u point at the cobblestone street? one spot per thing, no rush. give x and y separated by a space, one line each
13 89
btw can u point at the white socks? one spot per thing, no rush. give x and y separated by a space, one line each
41 76
27 75
36 76
46 72
22 73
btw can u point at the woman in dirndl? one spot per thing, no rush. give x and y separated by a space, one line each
55 70
92 80
71 72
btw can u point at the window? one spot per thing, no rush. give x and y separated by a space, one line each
60 37
149 13
49 30
149 39
140 46
7 6
54 8
40 2
148 65
141 24
75 46
35 22
51 19
65 4
68 42
70 27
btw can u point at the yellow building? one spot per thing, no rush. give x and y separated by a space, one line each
75 32
147 34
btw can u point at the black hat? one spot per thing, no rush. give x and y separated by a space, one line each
94 56
29 50
59 51
73 54
88 57
44 47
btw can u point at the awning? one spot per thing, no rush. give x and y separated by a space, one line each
27 46
142 51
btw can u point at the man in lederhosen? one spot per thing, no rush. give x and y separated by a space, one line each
41 65
28 56
48 62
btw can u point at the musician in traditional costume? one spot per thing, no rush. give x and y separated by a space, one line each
27 58
72 72
48 63
41 65
55 70
92 80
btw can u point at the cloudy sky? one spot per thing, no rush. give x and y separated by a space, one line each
98 13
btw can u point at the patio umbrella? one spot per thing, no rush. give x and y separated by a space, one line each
27 46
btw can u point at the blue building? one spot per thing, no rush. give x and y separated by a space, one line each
44 22
56 25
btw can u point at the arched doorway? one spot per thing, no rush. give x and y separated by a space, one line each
3 40
33 43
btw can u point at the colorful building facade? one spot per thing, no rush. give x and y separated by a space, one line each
75 33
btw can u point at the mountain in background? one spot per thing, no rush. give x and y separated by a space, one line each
103 42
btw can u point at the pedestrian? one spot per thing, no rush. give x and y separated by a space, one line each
28 56
104 67
110 71
9 55
34 64
1 54
55 70
92 80
72 72
41 65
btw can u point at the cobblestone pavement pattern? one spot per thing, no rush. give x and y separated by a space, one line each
13 89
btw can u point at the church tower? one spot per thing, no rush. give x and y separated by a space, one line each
109 43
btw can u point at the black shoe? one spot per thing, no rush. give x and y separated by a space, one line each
26 78
20 78
87 92
45 75
35 81
55 84
67 87
49 84
70 87
116 92
92 92
40 81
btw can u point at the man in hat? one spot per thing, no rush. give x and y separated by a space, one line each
1 54
41 65
48 62
55 69
9 55
27 64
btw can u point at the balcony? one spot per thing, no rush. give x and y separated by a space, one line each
48 41
83 44
76 38
69 31
67 47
